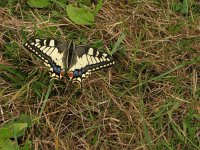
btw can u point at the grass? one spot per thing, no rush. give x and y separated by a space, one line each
148 100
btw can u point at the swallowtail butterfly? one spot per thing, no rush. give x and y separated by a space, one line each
71 61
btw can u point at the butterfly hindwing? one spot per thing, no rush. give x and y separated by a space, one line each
50 51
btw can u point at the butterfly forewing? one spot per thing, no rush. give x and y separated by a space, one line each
50 51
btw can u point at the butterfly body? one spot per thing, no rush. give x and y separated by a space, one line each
77 62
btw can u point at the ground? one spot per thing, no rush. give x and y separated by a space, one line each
148 100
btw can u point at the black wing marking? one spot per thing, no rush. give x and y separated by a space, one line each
89 60
50 51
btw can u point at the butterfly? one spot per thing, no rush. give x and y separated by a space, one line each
68 60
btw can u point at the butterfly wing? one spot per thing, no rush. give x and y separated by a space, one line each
50 51
88 60
78 61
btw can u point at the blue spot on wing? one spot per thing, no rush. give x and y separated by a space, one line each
56 68
77 73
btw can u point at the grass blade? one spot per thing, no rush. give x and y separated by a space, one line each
46 97
119 41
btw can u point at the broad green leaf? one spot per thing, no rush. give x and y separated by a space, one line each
19 129
25 119
38 3
6 144
5 133
13 130
81 16
84 2
61 3
27 146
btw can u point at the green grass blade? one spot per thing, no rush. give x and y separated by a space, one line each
46 97
98 7
119 41
11 70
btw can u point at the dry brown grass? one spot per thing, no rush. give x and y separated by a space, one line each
127 107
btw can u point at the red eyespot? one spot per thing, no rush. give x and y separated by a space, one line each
70 74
